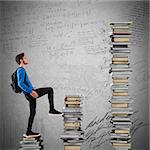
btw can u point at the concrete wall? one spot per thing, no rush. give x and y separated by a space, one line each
67 44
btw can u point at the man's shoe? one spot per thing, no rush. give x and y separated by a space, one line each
32 134
54 111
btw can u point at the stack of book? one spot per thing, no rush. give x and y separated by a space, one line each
72 136
120 70
31 143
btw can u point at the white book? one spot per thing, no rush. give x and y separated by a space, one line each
121 136
121 101
121 119
120 90
121 36
76 110
123 43
118 141
72 108
119 66
123 123
121 74
121 69
119 87
120 48
119 52
122 112
121 97
31 146
71 136
122 109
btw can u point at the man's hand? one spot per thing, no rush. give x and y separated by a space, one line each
34 94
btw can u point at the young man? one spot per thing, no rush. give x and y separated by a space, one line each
32 94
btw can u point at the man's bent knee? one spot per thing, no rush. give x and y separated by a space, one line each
50 89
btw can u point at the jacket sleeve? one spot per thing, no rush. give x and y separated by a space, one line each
21 84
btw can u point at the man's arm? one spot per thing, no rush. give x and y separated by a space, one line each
21 78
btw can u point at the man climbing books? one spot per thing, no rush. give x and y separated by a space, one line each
32 94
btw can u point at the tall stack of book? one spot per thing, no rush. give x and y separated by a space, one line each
72 112
31 143
120 70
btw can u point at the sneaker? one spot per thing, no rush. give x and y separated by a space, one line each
54 111
32 134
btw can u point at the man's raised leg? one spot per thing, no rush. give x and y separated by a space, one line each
49 91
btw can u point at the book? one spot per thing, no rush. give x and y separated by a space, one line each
121 23
120 36
120 79
72 147
72 115
73 143
120 90
76 102
122 109
121 131
119 66
119 141
30 143
120 69
69 136
119 105
120 63
120 56
121 113
119 86
121 120
72 98
128 102
121 43
72 110
120 30
72 105
120 59
112 48
120 27
120 136
120 39
72 119
124 51
121 74
120 93
72 124
73 136
120 145
120 97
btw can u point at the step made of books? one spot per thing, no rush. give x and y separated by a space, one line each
31 143
72 135
120 71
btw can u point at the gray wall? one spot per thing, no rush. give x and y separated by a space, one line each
67 44
0 78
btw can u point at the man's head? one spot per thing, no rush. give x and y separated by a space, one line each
21 59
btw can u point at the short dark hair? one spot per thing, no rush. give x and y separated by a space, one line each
18 57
